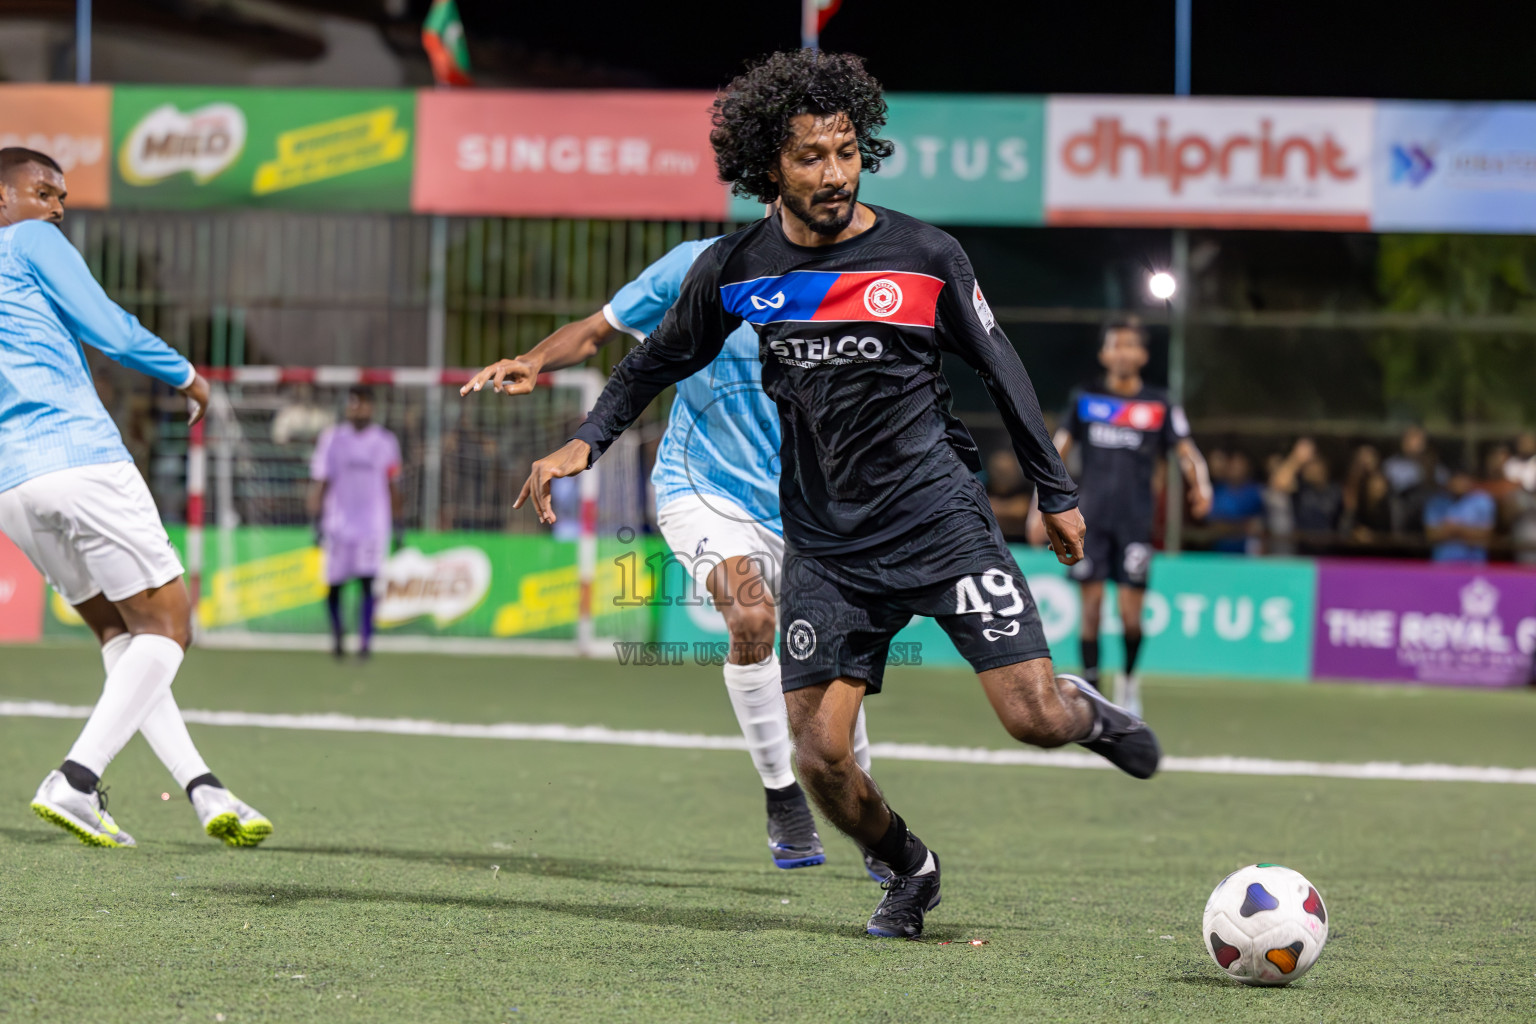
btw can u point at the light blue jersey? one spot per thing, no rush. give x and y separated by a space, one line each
723 434
50 415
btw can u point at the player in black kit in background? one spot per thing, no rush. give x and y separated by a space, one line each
883 516
1123 429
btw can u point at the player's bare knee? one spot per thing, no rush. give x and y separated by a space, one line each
752 629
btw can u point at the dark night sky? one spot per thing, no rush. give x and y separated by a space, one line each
1450 49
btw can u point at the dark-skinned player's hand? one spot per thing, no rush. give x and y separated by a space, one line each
506 377
1065 531
568 461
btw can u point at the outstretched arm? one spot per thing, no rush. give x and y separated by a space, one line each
966 327
688 339
97 321
570 345
636 309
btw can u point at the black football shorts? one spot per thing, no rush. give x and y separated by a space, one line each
1115 551
837 613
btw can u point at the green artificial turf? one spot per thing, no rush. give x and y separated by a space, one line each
432 879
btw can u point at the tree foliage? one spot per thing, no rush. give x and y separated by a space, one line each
1461 376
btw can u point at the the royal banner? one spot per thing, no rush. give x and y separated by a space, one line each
72 124
181 148
1455 167
958 160
570 154
1452 625
1241 163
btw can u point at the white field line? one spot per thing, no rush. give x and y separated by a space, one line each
1388 770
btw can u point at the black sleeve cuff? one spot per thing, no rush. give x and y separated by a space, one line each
590 434
1057 501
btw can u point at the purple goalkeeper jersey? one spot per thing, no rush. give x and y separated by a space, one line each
357 466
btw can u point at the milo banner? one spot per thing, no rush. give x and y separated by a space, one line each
272 580
1204 615
1454 625
181 148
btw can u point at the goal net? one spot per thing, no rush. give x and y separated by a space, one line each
469 571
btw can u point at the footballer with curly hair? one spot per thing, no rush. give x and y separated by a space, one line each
883 516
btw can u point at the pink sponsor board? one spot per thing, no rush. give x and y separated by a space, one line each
1448 625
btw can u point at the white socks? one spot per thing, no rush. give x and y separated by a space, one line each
164 729
758 698
141 675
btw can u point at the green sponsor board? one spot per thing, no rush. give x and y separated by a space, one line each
1205 615
180 148
958 160
272 580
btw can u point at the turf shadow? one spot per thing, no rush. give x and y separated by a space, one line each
699 919
38 836
574 868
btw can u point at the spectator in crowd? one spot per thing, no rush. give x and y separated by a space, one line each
1301 481
1237 504
1010 493
1279 512
1413 475
1521 471
1521 467
1367 511
1460 519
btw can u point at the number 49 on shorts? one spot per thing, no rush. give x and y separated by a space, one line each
998 584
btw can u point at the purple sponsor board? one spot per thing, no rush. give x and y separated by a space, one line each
1450 625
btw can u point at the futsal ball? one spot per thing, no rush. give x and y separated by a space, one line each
1265 925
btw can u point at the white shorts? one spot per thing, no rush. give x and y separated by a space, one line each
704 530
91 530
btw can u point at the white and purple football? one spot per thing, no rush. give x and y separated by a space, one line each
1265 925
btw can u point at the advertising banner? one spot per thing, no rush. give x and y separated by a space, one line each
1240 618
1456 625
180 148
72 124
1238 163
272 580
21 596
958 160
573 154
1455 167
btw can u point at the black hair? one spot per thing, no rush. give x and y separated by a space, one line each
12 157
751 117
361 392
1125 323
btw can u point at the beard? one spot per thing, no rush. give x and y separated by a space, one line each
823 222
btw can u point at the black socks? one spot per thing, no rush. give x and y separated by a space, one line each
1132 648
1090 661
789 792
209 779
79 776
899 848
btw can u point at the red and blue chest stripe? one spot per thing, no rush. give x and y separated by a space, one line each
874 296
1121 412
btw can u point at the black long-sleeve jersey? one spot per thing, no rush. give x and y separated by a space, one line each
850 337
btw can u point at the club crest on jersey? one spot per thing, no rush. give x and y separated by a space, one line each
882 297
